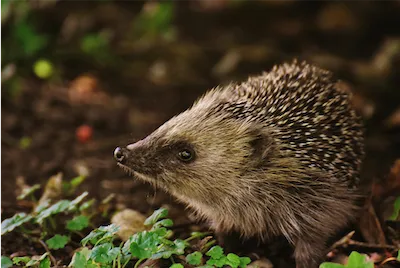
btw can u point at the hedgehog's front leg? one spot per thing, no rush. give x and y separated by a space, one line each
309 251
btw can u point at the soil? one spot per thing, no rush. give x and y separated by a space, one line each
150 81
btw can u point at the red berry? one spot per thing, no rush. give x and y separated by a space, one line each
84 133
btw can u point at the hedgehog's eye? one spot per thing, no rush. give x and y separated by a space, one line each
186 155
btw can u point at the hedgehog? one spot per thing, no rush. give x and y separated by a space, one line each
278 154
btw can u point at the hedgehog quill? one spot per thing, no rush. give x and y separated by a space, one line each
278 154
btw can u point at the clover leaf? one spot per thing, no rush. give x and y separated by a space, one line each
78 223
103 232
57 241
194 258
6 262
158 214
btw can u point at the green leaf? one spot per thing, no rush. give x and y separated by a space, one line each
398 255
126 248
28 191
17 220
396 209
57 241
168 248
94 44
17 260
217 262
78 223
70 186
77 200
104 232
38 260
32 262
45 204
180 246
80 258
75 182
45 263
331 265
6 262
104 253
144 244
233 260
244 261
92 264
155 21
215 252
28 38
60 206
176 265
356 260
162 231
87 204
157 215
194 258
165 223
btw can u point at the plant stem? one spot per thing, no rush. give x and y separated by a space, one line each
53 260
119 261
52 223
103 238
137 263
123 266
198 235
209 244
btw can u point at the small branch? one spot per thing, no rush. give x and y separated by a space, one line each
53 260
343 241
346 240
370 245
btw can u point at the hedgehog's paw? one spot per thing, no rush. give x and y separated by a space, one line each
309 253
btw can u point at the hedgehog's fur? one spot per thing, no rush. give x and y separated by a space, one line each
277 154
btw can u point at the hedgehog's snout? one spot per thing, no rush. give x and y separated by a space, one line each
120 155
123 154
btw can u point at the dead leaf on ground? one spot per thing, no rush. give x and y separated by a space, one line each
52 190
261 263
130 222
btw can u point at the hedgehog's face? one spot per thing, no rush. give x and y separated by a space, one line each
192 155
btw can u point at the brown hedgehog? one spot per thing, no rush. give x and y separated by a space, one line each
278 154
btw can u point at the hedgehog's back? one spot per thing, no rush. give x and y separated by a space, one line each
311 118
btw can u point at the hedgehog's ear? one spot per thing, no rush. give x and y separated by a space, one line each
261 143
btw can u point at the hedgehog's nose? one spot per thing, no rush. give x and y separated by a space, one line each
119 155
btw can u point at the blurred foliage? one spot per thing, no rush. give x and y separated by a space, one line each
155 20
34 45
24 41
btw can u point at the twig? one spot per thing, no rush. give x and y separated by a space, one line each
53 260
370 245
346 240
343 241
